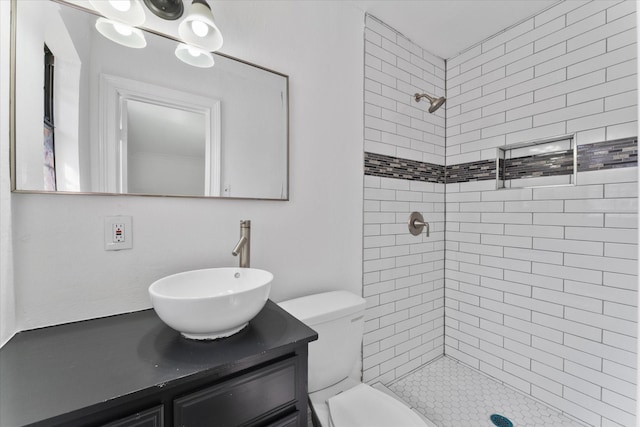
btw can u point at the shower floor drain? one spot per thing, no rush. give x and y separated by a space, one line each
500 421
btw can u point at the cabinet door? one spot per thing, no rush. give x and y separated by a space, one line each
243 400
151 418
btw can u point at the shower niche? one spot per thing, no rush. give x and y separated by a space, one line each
540 163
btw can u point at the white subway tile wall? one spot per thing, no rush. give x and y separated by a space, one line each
403 278
575 72
403 274
541 284
395 69
541 290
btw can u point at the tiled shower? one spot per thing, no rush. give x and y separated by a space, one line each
534 286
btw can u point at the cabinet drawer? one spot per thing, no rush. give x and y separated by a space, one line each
240 400
292 420
151 418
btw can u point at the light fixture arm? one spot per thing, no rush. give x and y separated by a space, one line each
165 9
202 2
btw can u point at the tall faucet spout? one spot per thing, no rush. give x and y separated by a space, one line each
243 247
239 246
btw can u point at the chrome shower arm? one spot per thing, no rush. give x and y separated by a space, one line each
419 96
435 102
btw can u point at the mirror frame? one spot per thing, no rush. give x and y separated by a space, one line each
12 117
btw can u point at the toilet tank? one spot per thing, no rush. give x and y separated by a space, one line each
338 318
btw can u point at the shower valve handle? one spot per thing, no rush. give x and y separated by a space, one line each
417 224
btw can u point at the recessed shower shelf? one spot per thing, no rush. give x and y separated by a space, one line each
540 163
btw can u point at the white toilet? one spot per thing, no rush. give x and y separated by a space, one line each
337 399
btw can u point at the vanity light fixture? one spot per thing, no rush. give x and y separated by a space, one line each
120 33
166 9
198 28
194 56
128 12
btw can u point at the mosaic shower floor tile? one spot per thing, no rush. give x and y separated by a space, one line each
451 394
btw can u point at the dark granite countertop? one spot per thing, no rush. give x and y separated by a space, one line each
49 372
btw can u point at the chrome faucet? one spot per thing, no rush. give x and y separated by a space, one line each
244 244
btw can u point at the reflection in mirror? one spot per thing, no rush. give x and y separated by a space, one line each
140 121
150 150
148 130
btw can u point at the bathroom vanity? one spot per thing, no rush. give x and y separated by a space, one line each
133 370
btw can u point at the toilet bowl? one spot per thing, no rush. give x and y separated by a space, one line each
338 399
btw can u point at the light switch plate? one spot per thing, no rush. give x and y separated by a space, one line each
118 233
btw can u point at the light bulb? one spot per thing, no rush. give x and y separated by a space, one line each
194 51
120 5
199 28
193 56
123 29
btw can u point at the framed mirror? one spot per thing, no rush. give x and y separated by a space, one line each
91 116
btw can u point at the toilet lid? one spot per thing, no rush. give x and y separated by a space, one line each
365 406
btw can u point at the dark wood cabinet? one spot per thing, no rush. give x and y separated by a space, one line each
151 418
296 419
250 399
132 370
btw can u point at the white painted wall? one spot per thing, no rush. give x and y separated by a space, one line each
541 284
7 300
311 243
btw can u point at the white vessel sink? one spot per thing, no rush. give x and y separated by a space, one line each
210 303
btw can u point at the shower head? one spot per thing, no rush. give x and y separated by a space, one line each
435 102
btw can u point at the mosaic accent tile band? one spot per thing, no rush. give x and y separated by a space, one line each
394 167
619 153
472 171
552 164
